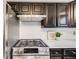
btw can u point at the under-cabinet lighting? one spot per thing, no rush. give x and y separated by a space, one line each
31 15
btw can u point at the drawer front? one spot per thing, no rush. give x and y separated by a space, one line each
69 57
42 57
55 58
70 52
56 52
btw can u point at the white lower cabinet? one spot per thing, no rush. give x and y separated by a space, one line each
31 57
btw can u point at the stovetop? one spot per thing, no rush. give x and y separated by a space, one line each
30 43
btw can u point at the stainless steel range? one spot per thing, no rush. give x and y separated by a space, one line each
30 49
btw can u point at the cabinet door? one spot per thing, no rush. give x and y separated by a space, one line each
25 9
55 58
73 15
38 9
51 15
21 8
16 7
62 15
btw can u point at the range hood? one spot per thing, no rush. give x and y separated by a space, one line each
31 18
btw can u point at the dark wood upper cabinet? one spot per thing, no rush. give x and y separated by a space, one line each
62 17
29 8
16 7
21 8
38 9
58 14
75 13
25 9
51 19
71 14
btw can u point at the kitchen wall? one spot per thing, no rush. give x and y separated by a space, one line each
67 33
11 32
13 28
32 30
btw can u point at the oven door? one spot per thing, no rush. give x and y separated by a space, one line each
69 57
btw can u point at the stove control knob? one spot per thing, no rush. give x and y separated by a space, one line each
56 52
15 51
20 51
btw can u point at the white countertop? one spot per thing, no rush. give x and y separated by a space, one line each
63 43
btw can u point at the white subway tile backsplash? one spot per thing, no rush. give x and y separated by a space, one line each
30 30
33 30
